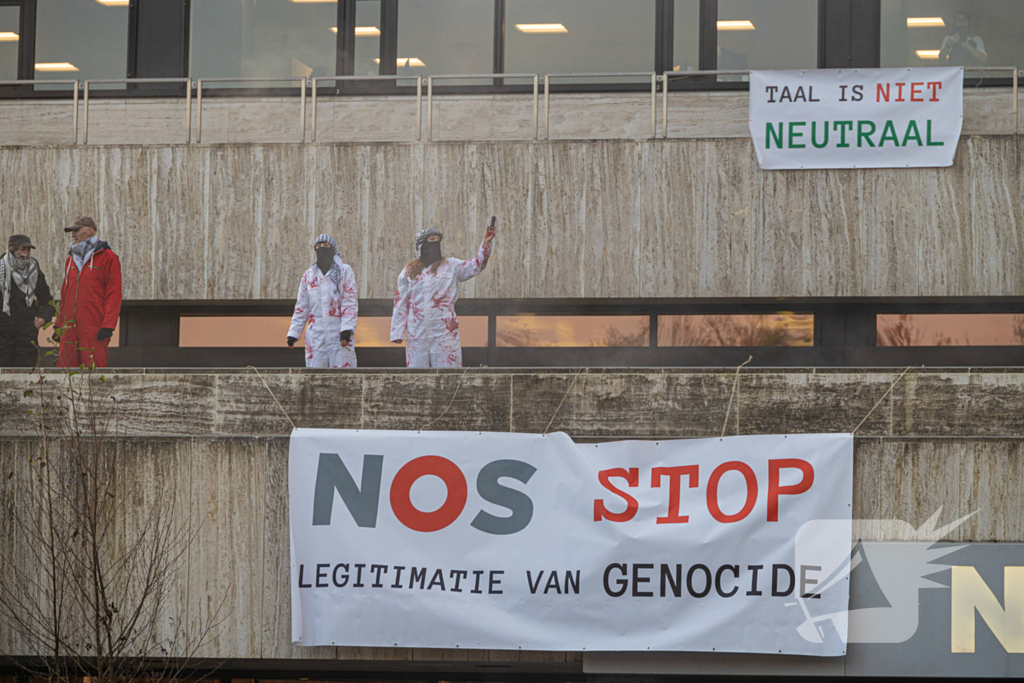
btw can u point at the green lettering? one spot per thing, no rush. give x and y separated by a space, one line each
862 136
814 137
889 133
771 134
842 127
940 143
912 126
793 134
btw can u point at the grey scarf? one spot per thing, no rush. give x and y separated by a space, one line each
23 273
81 252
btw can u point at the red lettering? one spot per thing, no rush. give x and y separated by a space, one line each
899 92
435 465
880 93
748 474
632 477
774 490
915 92
675 474
935 86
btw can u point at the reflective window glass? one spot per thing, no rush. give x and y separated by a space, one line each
772 329
572 330
83 40
445 37
265 38
754 34
368 28
271 331
957 329
686 35
967 33
10 39
579 36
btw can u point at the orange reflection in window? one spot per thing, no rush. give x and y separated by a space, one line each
270 331
45 337
772 329
575 330
950 329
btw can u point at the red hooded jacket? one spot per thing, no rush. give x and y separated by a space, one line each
92 298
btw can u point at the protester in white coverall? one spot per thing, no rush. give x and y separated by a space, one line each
328 301
428 288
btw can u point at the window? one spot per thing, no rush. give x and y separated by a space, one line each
449 37
686 36
272 331
924 32
83 40
10 40
577 330
579 36
368 32
776 329
941 329
263 38
754 34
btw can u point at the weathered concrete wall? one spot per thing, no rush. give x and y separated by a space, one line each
220 440
618 218
598 404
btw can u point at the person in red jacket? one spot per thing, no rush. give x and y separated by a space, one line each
90 298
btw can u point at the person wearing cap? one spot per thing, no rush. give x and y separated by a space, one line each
90 298
424 312
26 304
329 302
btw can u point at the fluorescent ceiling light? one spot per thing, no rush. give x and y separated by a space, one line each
406 61
367 31
55 66
113 3
928 54
736 25
8 37
917 22
542 28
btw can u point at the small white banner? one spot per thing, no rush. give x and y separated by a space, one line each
522 541
856 118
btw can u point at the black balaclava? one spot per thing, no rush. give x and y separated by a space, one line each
430 252
324 259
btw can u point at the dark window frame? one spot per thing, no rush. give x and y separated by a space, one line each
844 334
848 36
26 38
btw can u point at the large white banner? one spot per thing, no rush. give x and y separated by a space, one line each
509 541
856 118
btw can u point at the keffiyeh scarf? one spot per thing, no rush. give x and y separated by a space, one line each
22 273
335 272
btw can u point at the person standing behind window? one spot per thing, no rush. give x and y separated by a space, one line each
961 47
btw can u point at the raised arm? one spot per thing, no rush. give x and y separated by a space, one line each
464 270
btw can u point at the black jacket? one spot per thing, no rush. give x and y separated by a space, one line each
22 315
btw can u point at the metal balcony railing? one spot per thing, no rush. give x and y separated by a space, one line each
665 79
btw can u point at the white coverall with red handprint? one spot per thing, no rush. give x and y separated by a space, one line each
425 312
329 309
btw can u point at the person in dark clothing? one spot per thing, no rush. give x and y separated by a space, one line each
26 304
